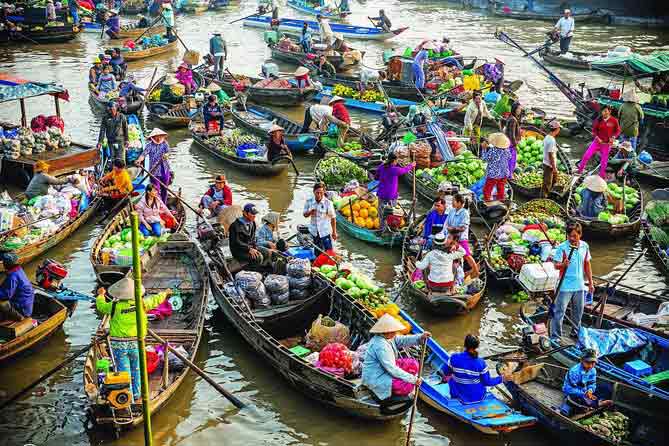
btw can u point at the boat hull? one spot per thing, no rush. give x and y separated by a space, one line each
294 27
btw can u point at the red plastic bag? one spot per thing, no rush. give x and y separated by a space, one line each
152 361
38 124
324 259
336 356
170 221
129 44
400 387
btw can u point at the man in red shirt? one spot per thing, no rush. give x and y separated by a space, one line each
604 130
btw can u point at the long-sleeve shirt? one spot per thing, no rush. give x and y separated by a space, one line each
275 150
17 289
388 177
474 115
340 112
440 263
498 162
185 78
512 130
223 195
150 213
379 365
130 89
434 223
217 46
470 377
39 184
326 32
592 203
631 115
606 129
577 381
106 83
168 17
123 322
458 218
265 236
120 180
157 164
242 238
420 59
115 128
114 23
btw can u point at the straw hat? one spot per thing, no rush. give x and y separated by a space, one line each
301 71
157 132
41 166
630 96
124 289
336 99
439 239
272 218
387 324
183 65
167 5
213 87
499 140
626 146
170 80
595 183
275 128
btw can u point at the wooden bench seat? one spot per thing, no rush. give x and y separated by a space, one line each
14 329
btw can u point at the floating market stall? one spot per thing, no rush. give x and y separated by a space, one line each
336 172
167 114
148 46
287 50
127 105
317 8
33 27
131 31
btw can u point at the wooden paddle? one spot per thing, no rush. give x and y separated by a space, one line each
416 391
247 17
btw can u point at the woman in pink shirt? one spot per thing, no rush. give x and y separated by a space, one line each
604 129
185 77
151 212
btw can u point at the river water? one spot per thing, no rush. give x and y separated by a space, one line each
55 414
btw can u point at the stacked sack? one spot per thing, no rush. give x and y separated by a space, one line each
278 288
250 286
423 151
299 278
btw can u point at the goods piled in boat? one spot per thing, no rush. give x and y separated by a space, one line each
24 142
236 143
532 180
360 209
339 171
466 170
369 95
117 249
612 425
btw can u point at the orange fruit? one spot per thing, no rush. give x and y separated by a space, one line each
364 213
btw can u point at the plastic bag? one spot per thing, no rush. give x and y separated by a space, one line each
299 294
251 284
276 284
280 299
401 387
298 268
325 331
299 283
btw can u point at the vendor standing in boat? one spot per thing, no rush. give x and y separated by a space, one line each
16 291
217 197
276 144
123 330
379 364
41 181
550 159
382 21
572 257
327 37
457 223
565 27
605 129
167 15
305 38
114 128
243 239
388 175
630 117
477 110
323 219
512 131
418 65
219 51
157 149
497 156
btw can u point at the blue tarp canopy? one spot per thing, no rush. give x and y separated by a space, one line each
13 88
610 342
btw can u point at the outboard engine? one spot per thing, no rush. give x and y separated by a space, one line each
50 274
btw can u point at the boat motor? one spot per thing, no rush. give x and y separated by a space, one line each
115 388
50 274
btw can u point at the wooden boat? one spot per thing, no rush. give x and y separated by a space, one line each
374 236
594 16
652 393
253 166
658 250
280 97
308 8
50 34
294 27
131 107
298 57
394 89
401 105
537 389
180 265
195 6
257 120
655 174
110 273
171 115
577 61
598 228
341 394
440 303
19 337
132 32
132 56
91 27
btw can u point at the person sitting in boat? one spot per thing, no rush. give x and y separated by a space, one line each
117 63
434 221
594 197
94 73
117 183
440 262
128 89
379 365
382 21
166 93
217 197
497 156
388 175
113 24
41 181
16 291
325 68
123 330
369 77
212 112
266 236
154 215
305 38
106 81
469 375
276 144
580 385
50 11
143 22
243 239
157 149
302 78
185 77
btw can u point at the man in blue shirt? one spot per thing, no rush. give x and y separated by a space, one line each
16 292
580 384
572 257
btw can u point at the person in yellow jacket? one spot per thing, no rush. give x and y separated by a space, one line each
123 330
117 183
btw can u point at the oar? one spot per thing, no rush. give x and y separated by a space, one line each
247 17
233 399
416 391
638 290
177 196
26 37
147 29
276 160
9 231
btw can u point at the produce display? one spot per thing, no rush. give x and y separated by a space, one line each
147 42
466 170
658 212
369 95
25 142
234 141
534 180
352 147
336 355
612 425
520 297
360 210
339 171
178 90
615 191
117 249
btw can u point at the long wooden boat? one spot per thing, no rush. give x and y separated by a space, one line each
373 236
440 303
655 174
401 105
130 108
294 27
394 89
298 57
132 56
308 8
170 115
344 395
195 6
589 17
132 32
652 395
51 34
280 97
598 228
658 250
257 120
253 166
537 388
180 265
577 60
19 337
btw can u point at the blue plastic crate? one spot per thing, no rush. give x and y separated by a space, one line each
638 368
243 153
301 253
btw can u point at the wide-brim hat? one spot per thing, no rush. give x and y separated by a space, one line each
626 146
124 289
167 6
183 65
157 132
499 140
387 324
595 183
630 96
498 60
336 99
554 124
275 128
301 71
170 80
272 218
439 239
213 87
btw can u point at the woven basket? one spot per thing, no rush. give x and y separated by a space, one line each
192 57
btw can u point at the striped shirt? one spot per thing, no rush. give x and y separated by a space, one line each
470 377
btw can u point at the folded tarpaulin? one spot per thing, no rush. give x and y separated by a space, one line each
13 88
648 109
442 142
609 342
656 62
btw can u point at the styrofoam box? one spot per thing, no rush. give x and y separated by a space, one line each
538 277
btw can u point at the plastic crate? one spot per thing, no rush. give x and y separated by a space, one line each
638 368
301 253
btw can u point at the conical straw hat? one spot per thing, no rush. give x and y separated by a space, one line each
387 324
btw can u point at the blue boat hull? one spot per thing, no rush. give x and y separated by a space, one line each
371 107
302 6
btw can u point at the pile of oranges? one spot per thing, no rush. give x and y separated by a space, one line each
363 213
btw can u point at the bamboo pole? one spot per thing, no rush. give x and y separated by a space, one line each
415 395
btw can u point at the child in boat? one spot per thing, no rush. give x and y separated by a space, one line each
580 384
458 273
106 81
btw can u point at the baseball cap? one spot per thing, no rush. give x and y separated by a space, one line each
250 208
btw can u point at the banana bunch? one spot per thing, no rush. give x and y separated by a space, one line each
343 91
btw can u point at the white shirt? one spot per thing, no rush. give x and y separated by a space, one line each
320 112
441 264
471 113
565 26
550 146
320 224
326 32
368 75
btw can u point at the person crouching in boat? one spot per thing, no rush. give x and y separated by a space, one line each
113 24
217 197
580 385
154 215
625 161
41 181
302 78
469 375
498 157
117 183
276 144
594 197
123 330
388 175
440 262
242 238
266 237
185 77
16 291
379 365
212 113
434 221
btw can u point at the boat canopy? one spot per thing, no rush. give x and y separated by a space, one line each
13 88
640 66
